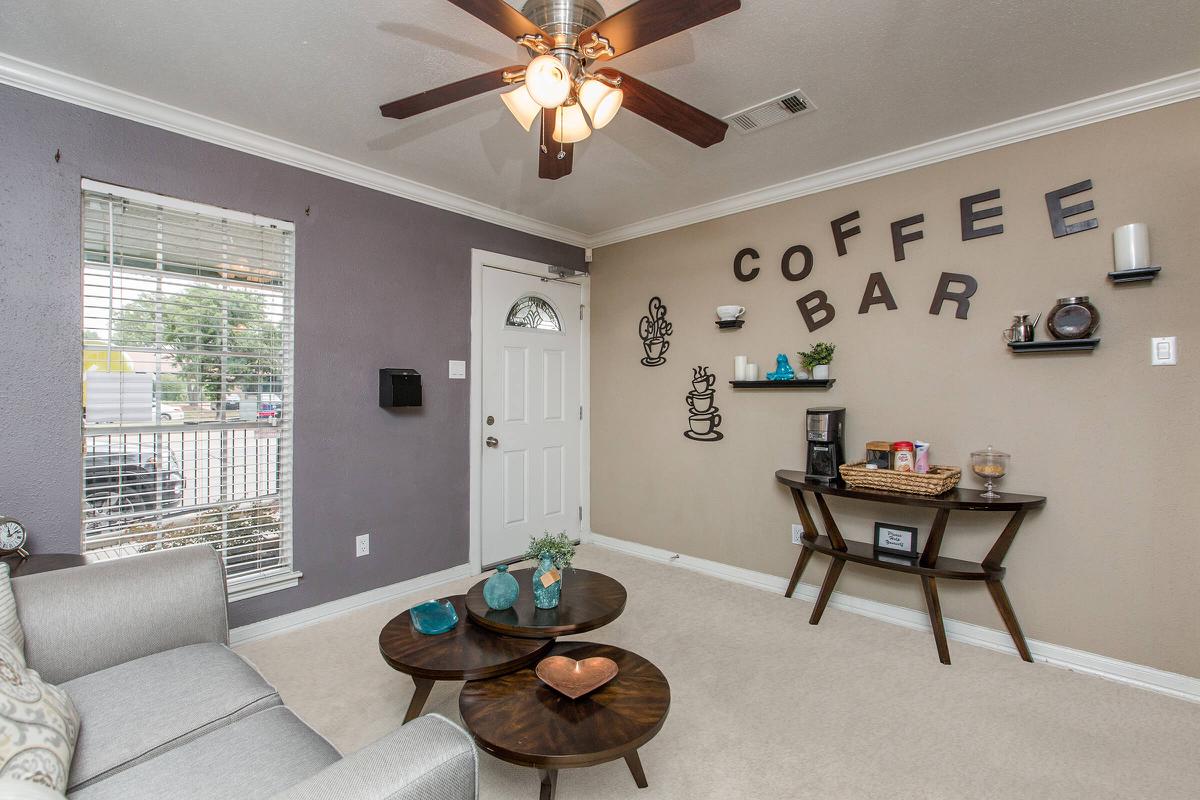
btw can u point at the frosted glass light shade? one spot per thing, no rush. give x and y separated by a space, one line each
570 125
548 82
522 106
600 101
1131 246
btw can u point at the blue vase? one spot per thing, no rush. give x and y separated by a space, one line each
546 596
501 590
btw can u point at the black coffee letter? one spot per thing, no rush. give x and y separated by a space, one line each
877 291
737 265
899 238
841 233
1058 214
786 264
970 216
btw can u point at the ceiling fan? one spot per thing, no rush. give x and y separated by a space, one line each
565 37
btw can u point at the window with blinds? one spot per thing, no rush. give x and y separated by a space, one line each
187 383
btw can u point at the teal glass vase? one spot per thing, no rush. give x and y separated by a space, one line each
500 591
546 596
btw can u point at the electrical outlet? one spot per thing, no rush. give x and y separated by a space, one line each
362 545
797 533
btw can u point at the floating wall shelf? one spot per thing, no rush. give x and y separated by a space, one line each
1055 346
1131 275
805 384
730 323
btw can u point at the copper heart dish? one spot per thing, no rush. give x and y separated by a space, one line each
576 678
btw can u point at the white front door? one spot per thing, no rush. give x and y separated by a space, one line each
531 336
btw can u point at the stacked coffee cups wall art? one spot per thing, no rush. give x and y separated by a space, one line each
654 330
703 419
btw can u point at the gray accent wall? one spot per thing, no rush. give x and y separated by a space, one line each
380 282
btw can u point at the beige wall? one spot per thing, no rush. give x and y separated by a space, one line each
1112 564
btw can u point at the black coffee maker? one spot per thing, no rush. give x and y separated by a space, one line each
825 432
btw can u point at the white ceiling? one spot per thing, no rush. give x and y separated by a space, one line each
884 75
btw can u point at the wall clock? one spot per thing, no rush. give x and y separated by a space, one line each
13 537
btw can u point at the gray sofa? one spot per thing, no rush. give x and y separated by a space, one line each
168 710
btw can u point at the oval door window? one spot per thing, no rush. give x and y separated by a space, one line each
533 312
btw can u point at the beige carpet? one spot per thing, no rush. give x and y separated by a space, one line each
766 706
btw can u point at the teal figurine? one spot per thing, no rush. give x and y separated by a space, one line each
546 596
500 591
783 370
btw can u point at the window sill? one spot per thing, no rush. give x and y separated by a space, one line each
253 587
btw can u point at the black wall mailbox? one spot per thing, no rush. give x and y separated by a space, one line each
399 387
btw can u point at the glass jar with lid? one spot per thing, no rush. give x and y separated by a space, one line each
991 465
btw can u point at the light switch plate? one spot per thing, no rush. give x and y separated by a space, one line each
458 370
797 533
1163 352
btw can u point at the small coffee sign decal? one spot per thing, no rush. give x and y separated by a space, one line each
654 330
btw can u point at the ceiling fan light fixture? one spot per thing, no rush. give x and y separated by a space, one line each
570 125
522 106
548 81
601 101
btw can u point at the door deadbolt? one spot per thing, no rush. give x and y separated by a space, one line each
492 441
491 420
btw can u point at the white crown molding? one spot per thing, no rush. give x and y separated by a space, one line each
1161 92
89 94
1173 684
62 86
314 614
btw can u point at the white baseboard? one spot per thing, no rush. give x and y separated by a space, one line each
1156 680
309 616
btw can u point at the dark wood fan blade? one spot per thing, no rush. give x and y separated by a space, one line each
550 166
445 95
669 112
647 21
503 17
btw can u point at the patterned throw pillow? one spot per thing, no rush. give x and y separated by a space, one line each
38 723
10 626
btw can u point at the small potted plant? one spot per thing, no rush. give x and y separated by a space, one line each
816 361
554 553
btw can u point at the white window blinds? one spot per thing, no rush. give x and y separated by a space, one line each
187 383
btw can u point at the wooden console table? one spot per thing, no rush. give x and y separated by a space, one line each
927 565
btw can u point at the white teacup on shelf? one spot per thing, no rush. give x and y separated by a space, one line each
728 313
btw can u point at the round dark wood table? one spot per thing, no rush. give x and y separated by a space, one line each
589 600
466 652
519 719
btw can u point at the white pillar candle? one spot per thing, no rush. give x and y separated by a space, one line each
739 368
752 372
1131 246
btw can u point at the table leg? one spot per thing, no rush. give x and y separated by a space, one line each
635 767
549 783
935 617
810 534
1000 598
420 695
835 569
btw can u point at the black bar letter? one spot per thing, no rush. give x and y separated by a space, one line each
962 298
877 291
810 305
898 238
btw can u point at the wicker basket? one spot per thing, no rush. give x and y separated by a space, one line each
938 480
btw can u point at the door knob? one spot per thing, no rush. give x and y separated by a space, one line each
492 441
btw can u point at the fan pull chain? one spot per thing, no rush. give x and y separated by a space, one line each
544 148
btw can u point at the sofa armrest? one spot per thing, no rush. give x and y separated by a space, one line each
428 757
88 618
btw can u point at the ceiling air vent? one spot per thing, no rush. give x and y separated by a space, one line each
772 112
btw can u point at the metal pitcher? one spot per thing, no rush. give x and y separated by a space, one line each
1021 330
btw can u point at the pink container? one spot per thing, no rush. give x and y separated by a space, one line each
921 460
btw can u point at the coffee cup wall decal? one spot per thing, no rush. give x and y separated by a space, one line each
703 419
654 330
